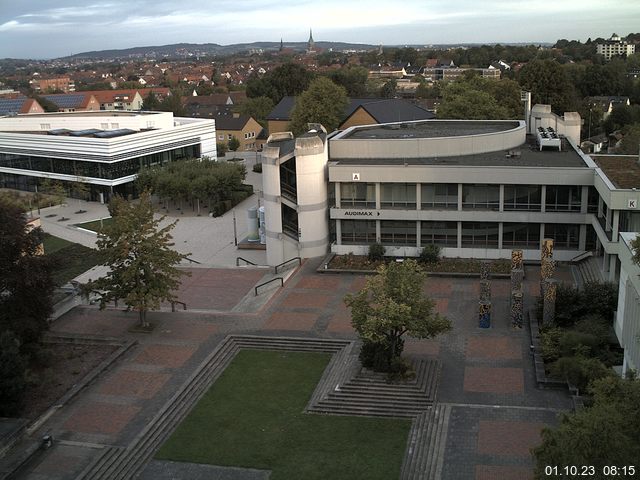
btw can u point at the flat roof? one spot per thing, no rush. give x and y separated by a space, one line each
430 129
91 113
622 170
527 155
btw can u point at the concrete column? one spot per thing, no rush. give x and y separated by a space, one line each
338 232
613 259
459 234
378 200
501 205
338 195
500 232
599 206
418 197
541 234
418 228
582 239
378 234
543 199
608 221
615 225
459 199
584 205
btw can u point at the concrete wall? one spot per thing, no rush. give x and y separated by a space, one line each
82 121
627 317
569 125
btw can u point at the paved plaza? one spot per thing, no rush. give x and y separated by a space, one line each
487 379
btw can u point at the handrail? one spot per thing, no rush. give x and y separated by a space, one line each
266 283
193 261
581 256
287 261
173 305
245 260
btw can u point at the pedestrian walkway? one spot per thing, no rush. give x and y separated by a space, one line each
489 411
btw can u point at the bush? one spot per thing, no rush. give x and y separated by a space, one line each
257 168
221 149
377 355
579 371
572 343
550 344
430 254
376 252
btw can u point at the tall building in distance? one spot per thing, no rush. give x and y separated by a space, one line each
615 46
311 45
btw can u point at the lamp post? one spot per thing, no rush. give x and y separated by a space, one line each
235 232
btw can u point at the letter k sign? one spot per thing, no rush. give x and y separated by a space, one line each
632 203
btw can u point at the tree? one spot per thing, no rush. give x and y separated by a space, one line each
138 253
393 304
323 102
289 79
258 108
25 277
630 144
12 375
353 78
549 84
388 90
607 433
173 103
222 149
635 245
234 144
55 189
477 98
151 102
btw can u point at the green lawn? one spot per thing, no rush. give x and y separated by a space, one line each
95 225
253 417
69 259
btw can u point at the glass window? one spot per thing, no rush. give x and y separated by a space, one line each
563 198
481 197
522 197
358 232
564 236
523 235
289 221
439 196
592 203
398 195
398 232
480 234
444 234
288 181
358 195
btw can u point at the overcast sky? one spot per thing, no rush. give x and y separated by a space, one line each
53 28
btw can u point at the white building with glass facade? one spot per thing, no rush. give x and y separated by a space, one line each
104 149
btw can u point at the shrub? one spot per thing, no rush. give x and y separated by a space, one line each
257 168
550 344
221 149
376 252
12 375
572 343
377 355
579 371
430 254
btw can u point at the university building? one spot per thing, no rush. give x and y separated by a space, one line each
104 149
478 189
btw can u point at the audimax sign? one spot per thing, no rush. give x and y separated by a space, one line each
361 213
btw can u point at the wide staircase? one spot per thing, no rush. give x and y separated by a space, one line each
588 270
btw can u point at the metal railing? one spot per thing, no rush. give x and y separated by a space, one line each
249 262
267 283
173 305
288 261
193 261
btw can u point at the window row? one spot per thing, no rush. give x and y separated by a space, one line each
444 196
473 234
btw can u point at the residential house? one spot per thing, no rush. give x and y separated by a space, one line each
608 103
73 102
12 106
242 127
64 84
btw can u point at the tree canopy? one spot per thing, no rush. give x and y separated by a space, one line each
549 84
258 108
289 79
477 98
393 304
605 434
142 265
323 102
25 277
353 78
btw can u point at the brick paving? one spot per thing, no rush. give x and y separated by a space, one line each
487 375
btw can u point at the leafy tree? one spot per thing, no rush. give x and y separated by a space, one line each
635 246
80 188
173 103
234 144
289 79
25 277
621 116
142 264
323 102
46 104
549 84
12 375
353 78
393 304
630 144
55 189
473 97
258 108
607 433
221 149
388 90
151 102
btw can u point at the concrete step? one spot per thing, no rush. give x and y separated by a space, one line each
367 412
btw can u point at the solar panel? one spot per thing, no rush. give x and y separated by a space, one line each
84 133
72 100
114 133
10 105
59 131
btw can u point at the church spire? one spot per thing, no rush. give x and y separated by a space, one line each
311 47
281 44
